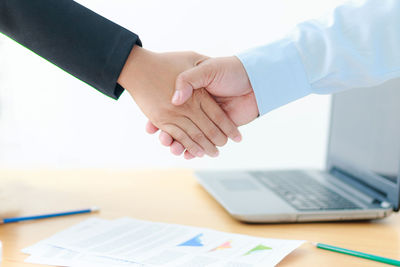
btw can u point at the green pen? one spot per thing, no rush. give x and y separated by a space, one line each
358 254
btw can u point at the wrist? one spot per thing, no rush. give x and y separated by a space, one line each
133 64
241 72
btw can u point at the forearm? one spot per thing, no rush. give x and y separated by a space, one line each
74 38
356 46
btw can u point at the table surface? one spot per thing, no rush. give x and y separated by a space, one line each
171 196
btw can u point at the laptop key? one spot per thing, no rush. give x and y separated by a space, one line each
303 192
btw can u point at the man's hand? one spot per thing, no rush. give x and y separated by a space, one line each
227 81
199 124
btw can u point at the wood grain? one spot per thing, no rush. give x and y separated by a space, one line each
171 196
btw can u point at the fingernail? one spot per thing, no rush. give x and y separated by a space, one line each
237 138
176 96
200 154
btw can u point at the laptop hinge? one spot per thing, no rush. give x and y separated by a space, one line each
378 195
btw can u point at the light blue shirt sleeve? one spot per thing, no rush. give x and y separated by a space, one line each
357 45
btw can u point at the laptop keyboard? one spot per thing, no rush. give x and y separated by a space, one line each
302 191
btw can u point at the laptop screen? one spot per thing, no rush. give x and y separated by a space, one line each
365 136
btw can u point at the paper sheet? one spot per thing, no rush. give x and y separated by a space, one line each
130 242
50 255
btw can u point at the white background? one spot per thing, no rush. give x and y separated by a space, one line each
49 119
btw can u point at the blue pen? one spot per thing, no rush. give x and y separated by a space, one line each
50 215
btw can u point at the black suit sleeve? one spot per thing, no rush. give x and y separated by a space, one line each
74 38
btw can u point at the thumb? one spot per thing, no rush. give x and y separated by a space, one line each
189 80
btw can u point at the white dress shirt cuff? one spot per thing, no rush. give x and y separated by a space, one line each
276 74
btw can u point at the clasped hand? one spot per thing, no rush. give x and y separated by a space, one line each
195 121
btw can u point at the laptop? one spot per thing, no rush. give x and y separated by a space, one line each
361 180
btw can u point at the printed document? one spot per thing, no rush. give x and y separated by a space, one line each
130 242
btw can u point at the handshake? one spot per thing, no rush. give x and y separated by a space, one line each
197 102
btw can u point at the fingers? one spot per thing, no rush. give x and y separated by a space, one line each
203 137
177 148
210 130
191 129
151 128
194 78
213 132
165 139
193 134
180 135
188 156
221 119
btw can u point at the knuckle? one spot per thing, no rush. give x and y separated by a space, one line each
200 59
199 93
181 78
208 69
198 137
219 119
192 54
160 117
173 132
192 148
180 137
233 131
213 133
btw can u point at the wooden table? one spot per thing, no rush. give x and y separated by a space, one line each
171 196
